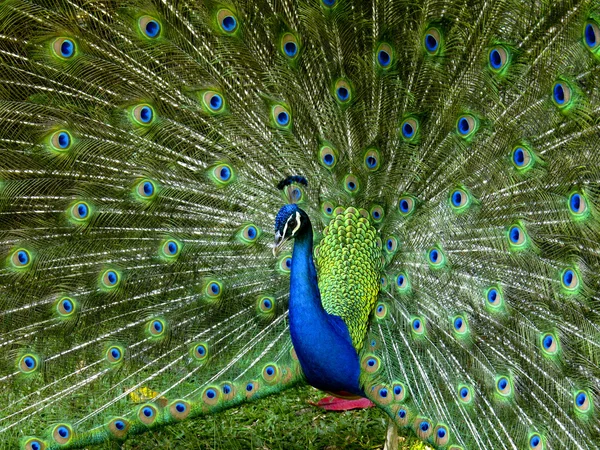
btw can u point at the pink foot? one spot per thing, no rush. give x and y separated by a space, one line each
340 404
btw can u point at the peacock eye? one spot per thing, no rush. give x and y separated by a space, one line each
227 21
384 55
64 48
149 26
327 157
498 58
517 238
61 141
351 184
213 102
143 114
522 158
591 36
281 117
466 125
372 159
409 129
432 41
459 200
343 91
222 174
289 45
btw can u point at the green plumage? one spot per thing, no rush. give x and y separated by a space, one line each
141 144
349 266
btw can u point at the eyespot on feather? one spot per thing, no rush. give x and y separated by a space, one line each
290 47
110 279
147 414
271 373
145 189
114 354
409 129
80 212
562 94
504 386
227 21
213 290
467 125
582 401
199 351
436 257
381 311
372 159
64 48
29 363
65 307
494 298
371 364
402 282
21 258
517 238
228 390
60 141
406 205
432 41
118 427
591 36
266 305
150 27
465 394
351 184
327 208
251 389
391 244
460 325
549 344
377 213
536 442
34 444
213 102
170 249
342 92
417 326
441 435
62 434
570 280
384 56
143 114
281 117
284 264
222 174
156 328
459 199
498 59
327 156
180 409
522 158
399 391
423 428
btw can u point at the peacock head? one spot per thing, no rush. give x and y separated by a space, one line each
289 223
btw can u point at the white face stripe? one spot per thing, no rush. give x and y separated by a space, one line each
288 221
297 226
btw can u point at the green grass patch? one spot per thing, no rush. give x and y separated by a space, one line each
285 421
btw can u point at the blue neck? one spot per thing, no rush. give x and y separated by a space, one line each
322 341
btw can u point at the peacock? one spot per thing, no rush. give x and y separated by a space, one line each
207 202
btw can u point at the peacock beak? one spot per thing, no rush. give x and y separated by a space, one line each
279 242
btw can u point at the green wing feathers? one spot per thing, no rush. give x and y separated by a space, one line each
348 261
451 147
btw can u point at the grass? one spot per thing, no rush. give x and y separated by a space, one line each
284 421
